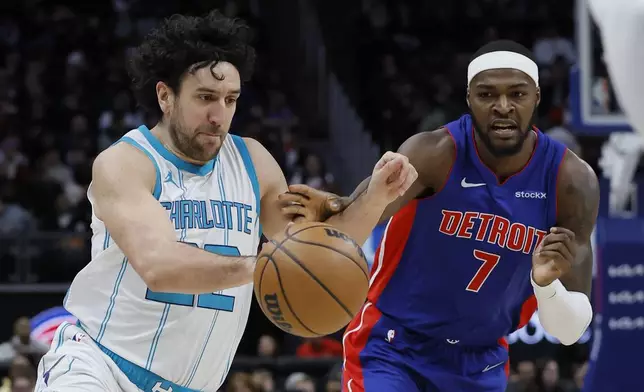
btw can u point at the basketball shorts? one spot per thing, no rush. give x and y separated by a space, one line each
380 356
76 363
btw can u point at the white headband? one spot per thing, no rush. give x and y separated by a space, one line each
503 59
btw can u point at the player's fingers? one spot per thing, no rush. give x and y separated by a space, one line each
563 230
290 198
560 248
554 238
299 219
409 180
390 168
295 209
398 177
562 238
388 156
334 204
301 189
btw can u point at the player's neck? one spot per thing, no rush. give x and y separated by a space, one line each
505 166
163 134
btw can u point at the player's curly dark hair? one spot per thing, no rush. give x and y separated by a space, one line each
185 44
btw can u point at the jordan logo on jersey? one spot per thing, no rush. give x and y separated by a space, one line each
491 228
206 214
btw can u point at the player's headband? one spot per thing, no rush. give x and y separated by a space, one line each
503 59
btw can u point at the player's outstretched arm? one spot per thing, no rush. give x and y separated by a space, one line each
272 183
563 261
430 153
121 190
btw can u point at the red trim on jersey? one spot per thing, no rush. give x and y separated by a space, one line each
527 310
557 184
393 244
354 341
503 342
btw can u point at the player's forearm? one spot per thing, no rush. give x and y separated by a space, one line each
361 216
180 268
563 314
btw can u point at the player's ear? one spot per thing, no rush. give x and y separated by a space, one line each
538 95
467 98
165 97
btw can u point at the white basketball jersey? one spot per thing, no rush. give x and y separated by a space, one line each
186 339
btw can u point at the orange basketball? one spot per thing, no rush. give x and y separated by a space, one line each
312 280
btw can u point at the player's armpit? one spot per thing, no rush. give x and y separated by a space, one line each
121 191
272 183
577 209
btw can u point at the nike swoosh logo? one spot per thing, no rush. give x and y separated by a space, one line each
488 367
466 184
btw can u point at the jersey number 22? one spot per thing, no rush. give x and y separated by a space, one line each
208 301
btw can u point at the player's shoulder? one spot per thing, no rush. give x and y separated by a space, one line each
122 163
268 171
432 153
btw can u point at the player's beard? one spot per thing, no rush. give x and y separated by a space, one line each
185 140
502 151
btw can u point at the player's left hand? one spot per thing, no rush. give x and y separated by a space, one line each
554 256
305 204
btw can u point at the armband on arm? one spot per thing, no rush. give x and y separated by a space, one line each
563 314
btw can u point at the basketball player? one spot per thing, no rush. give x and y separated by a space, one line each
498 222
178 211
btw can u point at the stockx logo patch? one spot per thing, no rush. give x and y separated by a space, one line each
530 195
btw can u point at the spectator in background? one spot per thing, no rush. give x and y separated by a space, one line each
23 384
314 174
525 376
15 220
299 382
266 347
241 382
21 375
334 379
263 380
319 347
21 343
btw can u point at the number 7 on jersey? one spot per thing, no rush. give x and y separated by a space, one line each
490 260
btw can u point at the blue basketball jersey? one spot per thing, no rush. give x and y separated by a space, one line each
456 265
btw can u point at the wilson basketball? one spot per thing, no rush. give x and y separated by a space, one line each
311 281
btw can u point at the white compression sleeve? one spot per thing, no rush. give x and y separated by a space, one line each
621 23
563 314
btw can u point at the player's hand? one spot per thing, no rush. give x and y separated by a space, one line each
554 256
305 204
391 178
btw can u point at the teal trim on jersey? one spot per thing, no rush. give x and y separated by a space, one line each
175 160
61 334
250 170
110 307
144 379
157 182
203 349
157 336
69 368
106 241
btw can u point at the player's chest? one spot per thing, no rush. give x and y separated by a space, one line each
497 217
209 205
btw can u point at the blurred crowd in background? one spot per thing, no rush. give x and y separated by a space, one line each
65 97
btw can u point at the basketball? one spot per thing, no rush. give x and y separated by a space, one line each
312 280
